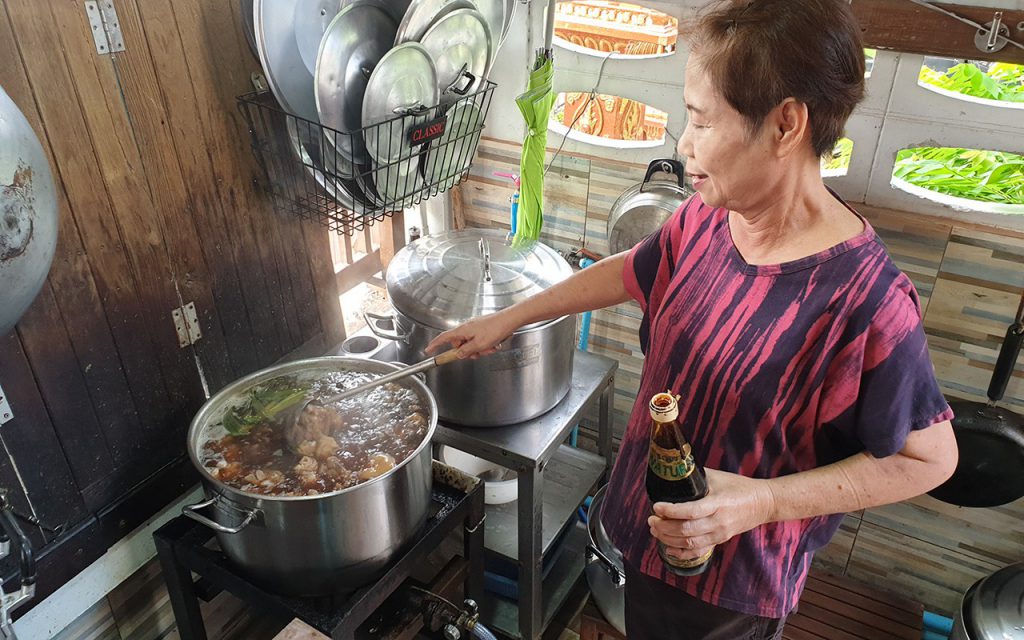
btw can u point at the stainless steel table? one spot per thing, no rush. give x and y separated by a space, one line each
525 530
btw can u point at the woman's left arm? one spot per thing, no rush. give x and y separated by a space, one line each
736 504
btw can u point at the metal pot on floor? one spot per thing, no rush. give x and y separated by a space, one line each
439 282
604 569
993 608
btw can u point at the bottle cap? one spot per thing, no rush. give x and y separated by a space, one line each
664 407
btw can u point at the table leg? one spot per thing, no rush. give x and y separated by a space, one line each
604 427
473 548
530 508
182 592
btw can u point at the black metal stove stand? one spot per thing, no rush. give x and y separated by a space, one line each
181 547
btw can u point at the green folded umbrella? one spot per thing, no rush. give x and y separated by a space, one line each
535 105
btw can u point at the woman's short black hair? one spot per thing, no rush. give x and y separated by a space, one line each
760 52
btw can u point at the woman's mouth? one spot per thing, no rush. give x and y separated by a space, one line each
697 179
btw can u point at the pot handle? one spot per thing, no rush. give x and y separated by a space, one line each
1008 353
371 322
665 165
593 554
192 511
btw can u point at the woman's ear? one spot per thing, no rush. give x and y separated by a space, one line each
790 126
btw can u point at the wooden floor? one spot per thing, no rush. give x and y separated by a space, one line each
835 608
831 608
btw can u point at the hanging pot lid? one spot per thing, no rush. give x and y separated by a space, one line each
355 41
404 82
510 15
992 608
460 41
494 14
448 154
398 184
28 214
337 177
644 207
395 8
287 39
421 14
446 279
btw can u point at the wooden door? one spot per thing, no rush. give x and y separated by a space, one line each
160 206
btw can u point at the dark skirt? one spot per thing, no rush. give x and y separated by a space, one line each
656 610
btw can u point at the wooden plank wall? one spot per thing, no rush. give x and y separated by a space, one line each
159 206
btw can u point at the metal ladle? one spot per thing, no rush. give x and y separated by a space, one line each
290 416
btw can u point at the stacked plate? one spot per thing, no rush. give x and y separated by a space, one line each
358 74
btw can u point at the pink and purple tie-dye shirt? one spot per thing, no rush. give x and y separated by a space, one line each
781 369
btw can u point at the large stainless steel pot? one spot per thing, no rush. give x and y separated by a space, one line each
605 572
993 608
308 545
438 282
644 207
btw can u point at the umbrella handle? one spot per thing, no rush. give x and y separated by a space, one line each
454 86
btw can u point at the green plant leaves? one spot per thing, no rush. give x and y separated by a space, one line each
262 404
1003 81
985 176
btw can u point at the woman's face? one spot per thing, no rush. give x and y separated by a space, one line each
729 167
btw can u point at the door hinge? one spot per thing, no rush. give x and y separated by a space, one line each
5 408
106 29
186 324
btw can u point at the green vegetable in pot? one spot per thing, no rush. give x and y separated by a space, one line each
262 404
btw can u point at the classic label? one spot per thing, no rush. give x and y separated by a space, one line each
671 464
424 133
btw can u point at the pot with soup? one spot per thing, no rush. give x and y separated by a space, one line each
322 502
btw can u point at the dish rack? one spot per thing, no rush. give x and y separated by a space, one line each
347 180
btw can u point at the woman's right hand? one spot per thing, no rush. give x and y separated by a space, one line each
478 337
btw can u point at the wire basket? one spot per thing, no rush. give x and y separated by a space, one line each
347 180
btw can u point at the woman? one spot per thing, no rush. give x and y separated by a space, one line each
773 309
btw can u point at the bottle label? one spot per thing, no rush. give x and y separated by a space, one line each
671 464
684 564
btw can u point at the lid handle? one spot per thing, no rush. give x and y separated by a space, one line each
485 253
665 165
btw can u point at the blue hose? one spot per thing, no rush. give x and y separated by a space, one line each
928 634
481 632
938 623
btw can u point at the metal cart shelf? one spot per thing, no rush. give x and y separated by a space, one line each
534 450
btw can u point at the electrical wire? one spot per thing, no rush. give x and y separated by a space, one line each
966 21
586 105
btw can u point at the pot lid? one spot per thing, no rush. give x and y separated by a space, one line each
444 280
460 41
995 610
287 38
421 14
404 82
355 41
448 154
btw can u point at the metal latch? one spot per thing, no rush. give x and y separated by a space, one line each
106 29
6 415
186 324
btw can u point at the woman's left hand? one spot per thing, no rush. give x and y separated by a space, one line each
734 504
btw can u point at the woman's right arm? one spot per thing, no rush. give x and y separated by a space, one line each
599 285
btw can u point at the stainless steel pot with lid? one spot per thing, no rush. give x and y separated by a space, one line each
439 282
644 207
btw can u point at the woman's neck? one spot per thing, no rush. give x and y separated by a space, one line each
796 223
